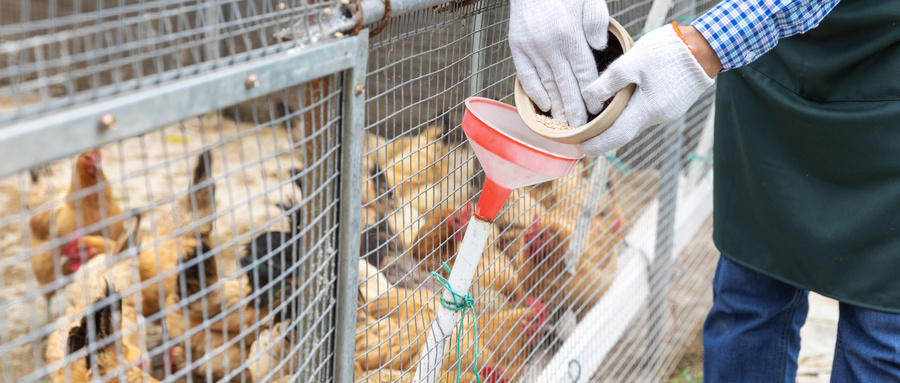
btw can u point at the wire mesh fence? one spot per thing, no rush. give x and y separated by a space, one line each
58 53
192 250
211 248
558 297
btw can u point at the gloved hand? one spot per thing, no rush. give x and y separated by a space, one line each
551 43
669 80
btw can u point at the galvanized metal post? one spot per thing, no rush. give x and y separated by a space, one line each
210 15
661 267
475 81
350 202
595 184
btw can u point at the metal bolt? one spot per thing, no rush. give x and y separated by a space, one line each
107 122
360 89
252 81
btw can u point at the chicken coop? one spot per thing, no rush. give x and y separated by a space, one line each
269 190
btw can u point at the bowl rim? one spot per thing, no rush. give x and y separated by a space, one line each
573 136
524 144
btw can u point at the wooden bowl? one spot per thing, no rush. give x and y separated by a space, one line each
619 43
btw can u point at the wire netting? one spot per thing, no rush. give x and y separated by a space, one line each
200 251
58 53
592 257
208 250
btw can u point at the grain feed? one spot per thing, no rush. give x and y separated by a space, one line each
552 123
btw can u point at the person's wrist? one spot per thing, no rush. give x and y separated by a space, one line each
702 51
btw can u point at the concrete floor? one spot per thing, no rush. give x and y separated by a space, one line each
818 336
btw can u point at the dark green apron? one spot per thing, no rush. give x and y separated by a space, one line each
807 158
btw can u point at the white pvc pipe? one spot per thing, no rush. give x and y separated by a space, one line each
656 17
445 320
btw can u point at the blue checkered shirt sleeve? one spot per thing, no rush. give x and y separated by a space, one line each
742 30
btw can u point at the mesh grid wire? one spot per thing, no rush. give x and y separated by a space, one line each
421 182
234 291
199 251
57 53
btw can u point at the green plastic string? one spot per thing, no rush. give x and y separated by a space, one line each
618 164
698 157
460 302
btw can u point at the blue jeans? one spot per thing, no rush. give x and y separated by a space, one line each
752 333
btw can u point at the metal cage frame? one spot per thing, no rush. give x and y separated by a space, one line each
679 213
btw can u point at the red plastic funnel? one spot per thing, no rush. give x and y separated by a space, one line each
511 154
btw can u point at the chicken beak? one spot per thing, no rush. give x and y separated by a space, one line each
96 157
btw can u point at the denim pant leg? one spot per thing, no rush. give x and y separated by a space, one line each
868 346
752 332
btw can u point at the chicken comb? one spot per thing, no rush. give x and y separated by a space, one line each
539 306
537 322
492 374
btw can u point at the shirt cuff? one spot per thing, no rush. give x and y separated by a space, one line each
736 32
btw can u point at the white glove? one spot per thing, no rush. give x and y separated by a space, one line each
551 43
669 80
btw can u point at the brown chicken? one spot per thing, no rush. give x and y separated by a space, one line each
377 199
596 267
232 295
506 339
386 375
541 247
271 348
549 193
203 294
380 249
635 191
225 358
379 245
411 161
73 338
391 333
156 264
383 375
372 283
104 264
88 202
91 281
391 330
436 236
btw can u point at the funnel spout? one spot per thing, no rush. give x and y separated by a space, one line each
493 196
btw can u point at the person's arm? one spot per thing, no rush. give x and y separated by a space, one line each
672 66
703 52
740 31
